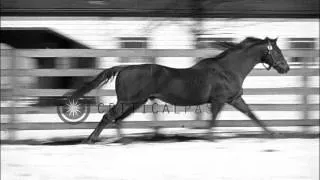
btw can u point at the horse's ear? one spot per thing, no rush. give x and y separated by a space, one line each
268 39
276 39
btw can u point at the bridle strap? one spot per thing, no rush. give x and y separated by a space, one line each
269 53
267 66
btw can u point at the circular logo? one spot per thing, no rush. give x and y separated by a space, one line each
73 112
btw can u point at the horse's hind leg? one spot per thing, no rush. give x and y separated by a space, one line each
116 113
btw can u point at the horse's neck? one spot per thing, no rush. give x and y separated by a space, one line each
241 62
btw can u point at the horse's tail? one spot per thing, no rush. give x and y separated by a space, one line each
100 79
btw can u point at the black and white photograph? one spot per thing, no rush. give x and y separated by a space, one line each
160 90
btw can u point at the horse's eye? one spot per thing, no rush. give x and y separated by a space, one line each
269 47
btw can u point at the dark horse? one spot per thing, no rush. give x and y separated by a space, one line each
216 80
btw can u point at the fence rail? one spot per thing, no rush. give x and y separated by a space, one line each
165 108
139 52
93 72
159 124
304 71
24 92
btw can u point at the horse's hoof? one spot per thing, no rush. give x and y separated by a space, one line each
273 134
88 141
125 141
210 138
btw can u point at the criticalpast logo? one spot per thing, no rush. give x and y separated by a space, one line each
73 112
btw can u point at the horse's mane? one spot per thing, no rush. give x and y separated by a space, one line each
247 42
244 43
231 46
250 41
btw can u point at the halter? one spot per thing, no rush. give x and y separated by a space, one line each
270 48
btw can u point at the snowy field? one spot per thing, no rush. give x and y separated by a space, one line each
225 159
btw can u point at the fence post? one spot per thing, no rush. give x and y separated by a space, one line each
154 115
305 95
13 78
197 32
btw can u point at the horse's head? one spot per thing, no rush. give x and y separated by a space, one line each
273 56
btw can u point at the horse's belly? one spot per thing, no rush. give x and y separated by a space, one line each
180 92
180 100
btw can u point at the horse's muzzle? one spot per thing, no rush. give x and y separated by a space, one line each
282 68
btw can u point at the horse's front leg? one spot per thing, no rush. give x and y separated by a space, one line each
215 109
242 106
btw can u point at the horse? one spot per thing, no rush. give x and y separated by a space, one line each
217 80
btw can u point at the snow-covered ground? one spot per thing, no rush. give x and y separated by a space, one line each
227 159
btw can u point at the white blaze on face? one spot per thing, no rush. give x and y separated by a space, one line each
269 47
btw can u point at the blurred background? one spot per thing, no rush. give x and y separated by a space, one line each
97 34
